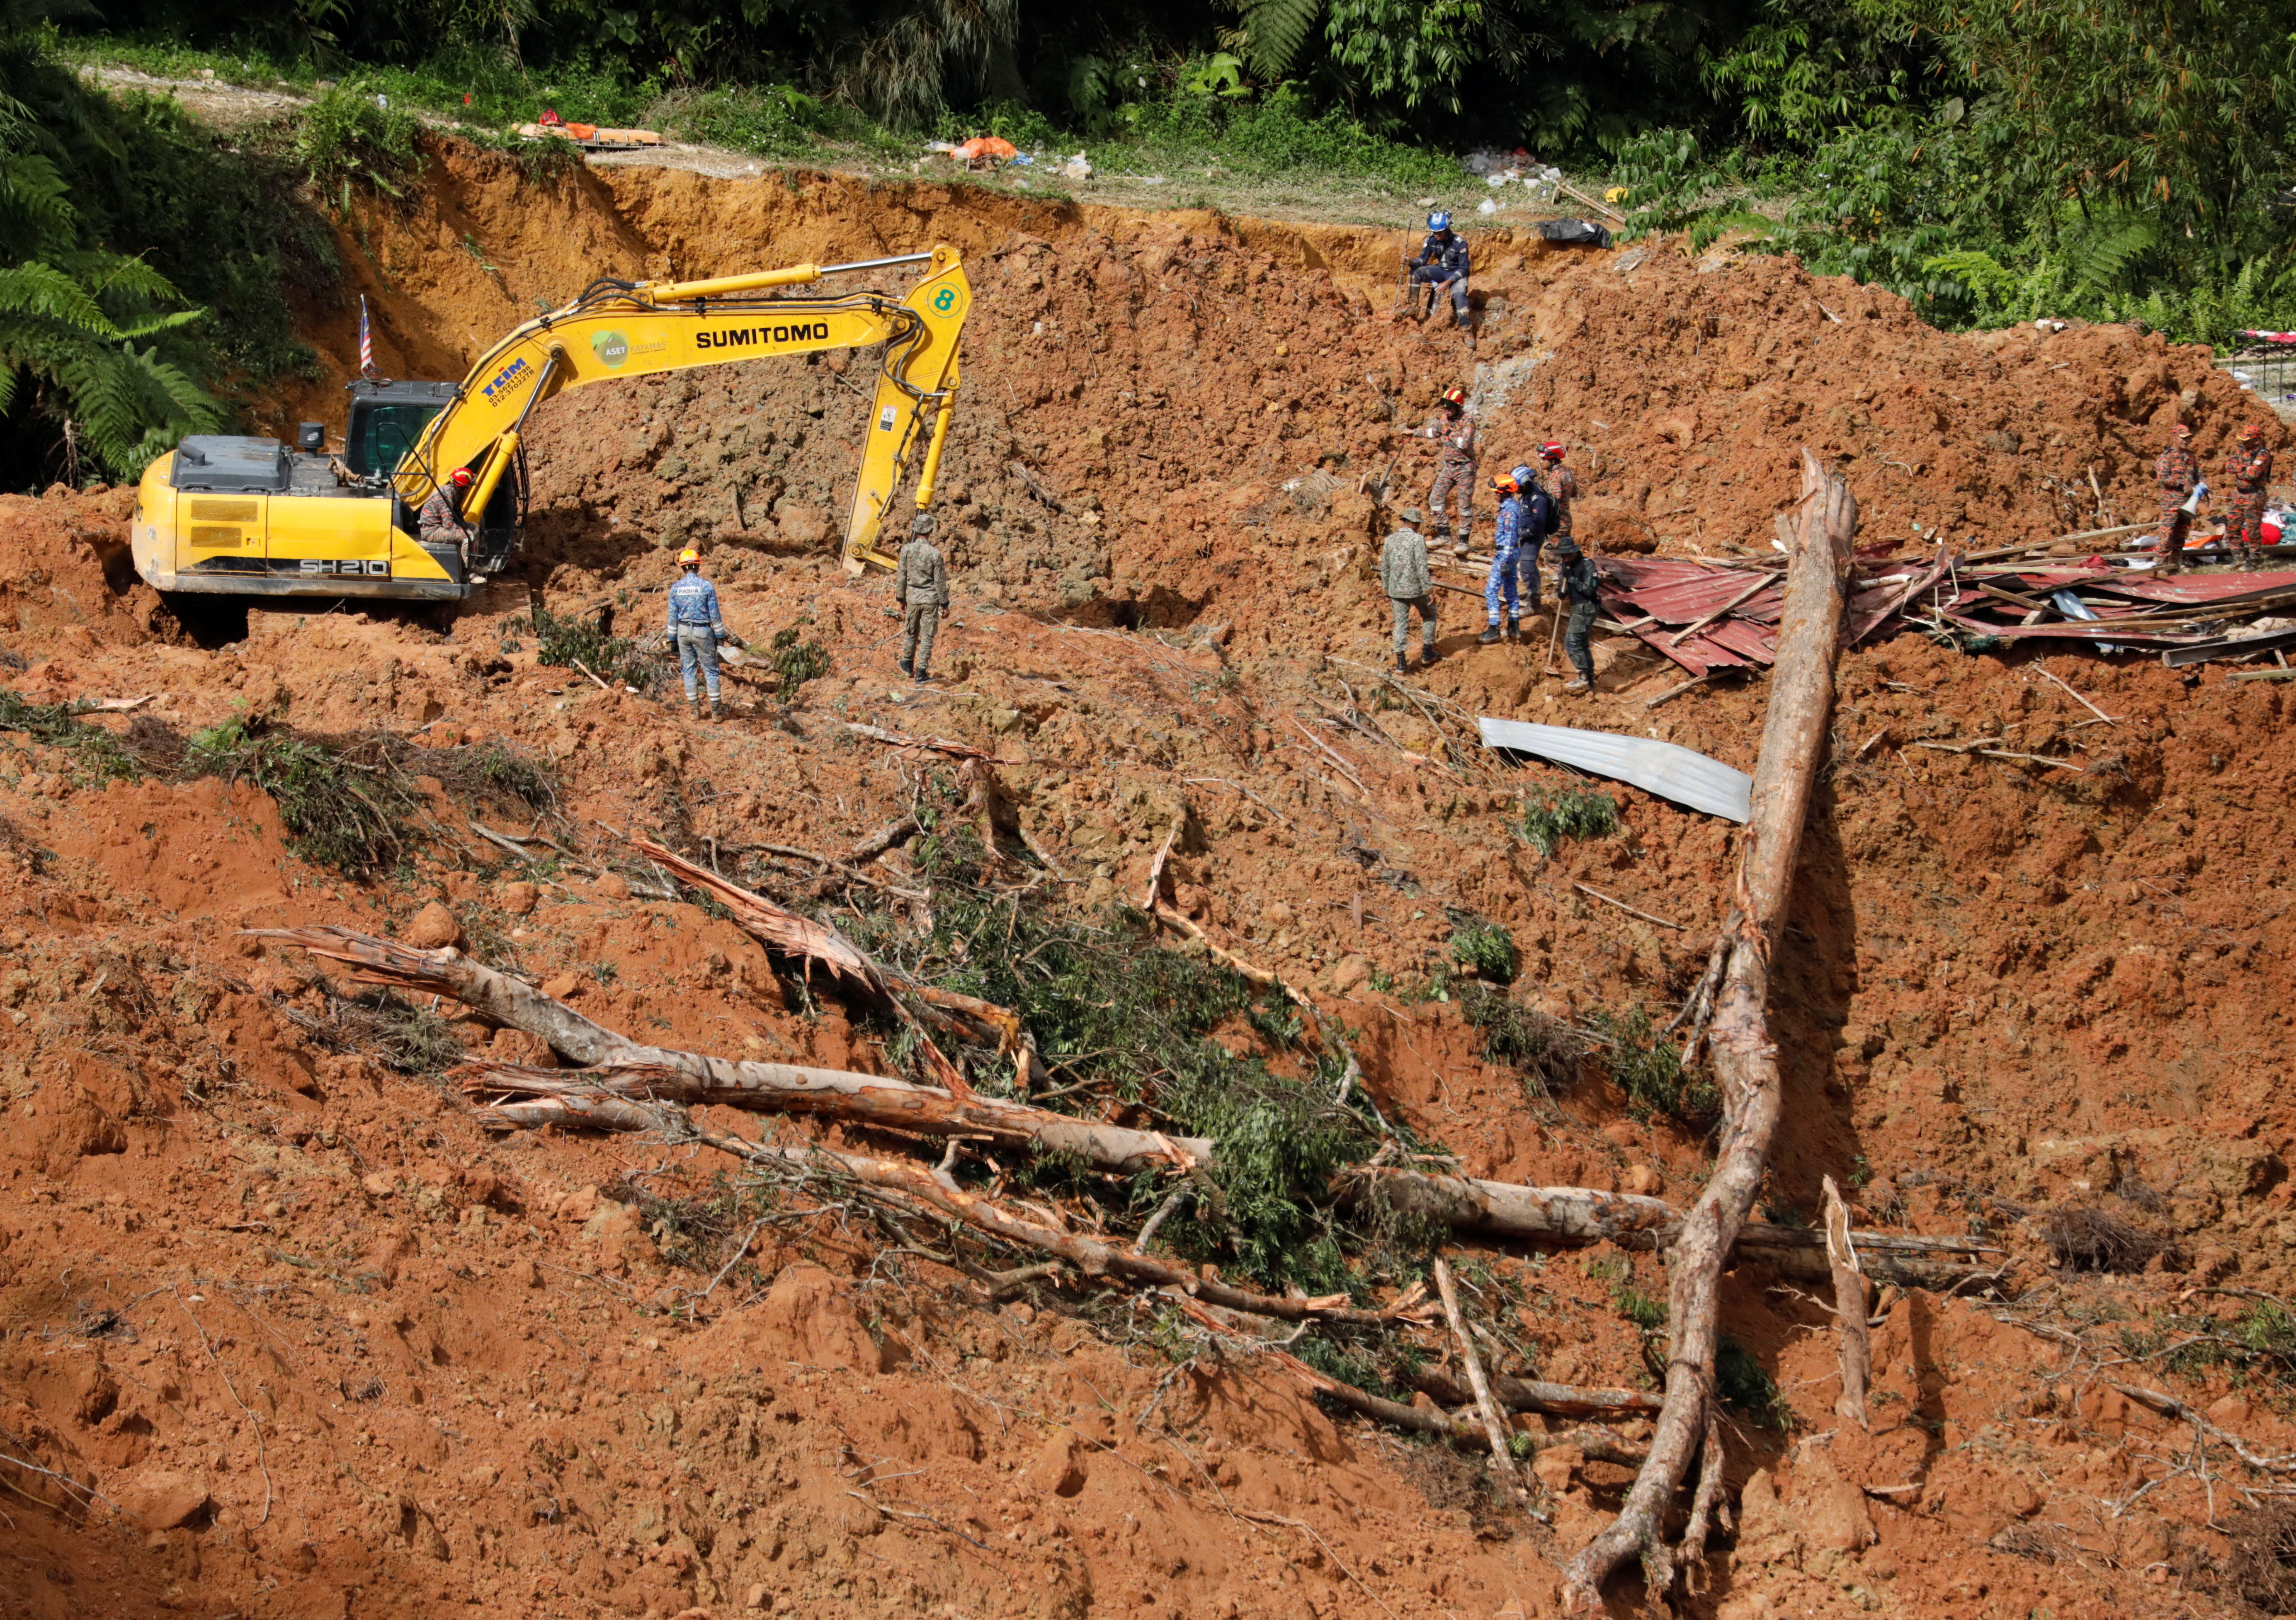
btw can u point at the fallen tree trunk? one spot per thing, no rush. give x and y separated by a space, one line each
621 1069
1745 1061
913 1184
1533 1394
1599 1445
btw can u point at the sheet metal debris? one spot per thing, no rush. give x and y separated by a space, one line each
1703 615
1680 774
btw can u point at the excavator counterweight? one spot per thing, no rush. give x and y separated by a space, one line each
253 517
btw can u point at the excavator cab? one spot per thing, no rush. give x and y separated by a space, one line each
386 420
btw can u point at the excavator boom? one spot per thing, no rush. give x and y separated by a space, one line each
284 530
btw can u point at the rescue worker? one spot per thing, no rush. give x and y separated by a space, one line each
1441 264
1537 523
2178 473
1507 541
440 522
2248 470
697 626
1403 576
1561 487
1453 431
1575 582
922 584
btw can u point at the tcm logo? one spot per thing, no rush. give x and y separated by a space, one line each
611 347
508 374
747 337
945 300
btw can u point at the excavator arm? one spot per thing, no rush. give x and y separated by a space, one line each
622 328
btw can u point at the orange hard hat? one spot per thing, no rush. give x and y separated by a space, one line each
1504 481
461 478
689 555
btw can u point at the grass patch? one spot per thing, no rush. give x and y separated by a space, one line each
1552 814
1648 1070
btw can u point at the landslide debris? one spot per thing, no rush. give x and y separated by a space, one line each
267 1288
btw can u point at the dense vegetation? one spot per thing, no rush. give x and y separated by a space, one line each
1991 159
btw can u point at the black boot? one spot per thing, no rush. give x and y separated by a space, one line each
1427 654
1515 630
1490 635
1402 663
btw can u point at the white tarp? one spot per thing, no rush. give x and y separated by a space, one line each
1680 774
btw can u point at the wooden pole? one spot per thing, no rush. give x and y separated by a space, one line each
1850 1306
1745 1061
1495 1428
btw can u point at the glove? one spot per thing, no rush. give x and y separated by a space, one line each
2201 489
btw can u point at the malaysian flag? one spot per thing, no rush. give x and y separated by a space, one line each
367 343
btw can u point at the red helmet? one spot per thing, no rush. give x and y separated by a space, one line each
1551 450
460 478
1456 397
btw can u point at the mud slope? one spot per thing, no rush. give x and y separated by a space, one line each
323 1347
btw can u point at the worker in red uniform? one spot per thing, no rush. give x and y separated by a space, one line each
2248 469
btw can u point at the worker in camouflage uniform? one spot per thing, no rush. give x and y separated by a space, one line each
440 522
1453 431
922 584
1562 487
1576 581
1403 576
2248 470
2178 473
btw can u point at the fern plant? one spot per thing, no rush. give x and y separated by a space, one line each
71 318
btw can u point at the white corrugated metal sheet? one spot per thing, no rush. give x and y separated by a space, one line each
1680 774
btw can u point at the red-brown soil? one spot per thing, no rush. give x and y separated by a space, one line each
326 1348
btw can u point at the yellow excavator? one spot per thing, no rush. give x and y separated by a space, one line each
252 517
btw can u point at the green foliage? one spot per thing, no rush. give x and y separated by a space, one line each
1484 948
563 642
98 756
1552 814
353 133
798 661
1748 1390
336 812
1646 1311
1648 1070
1544 1049
772 121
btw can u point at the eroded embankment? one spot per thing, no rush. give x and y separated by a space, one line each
333 1351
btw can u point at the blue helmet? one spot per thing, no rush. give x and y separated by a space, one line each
1523 474
1439 221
